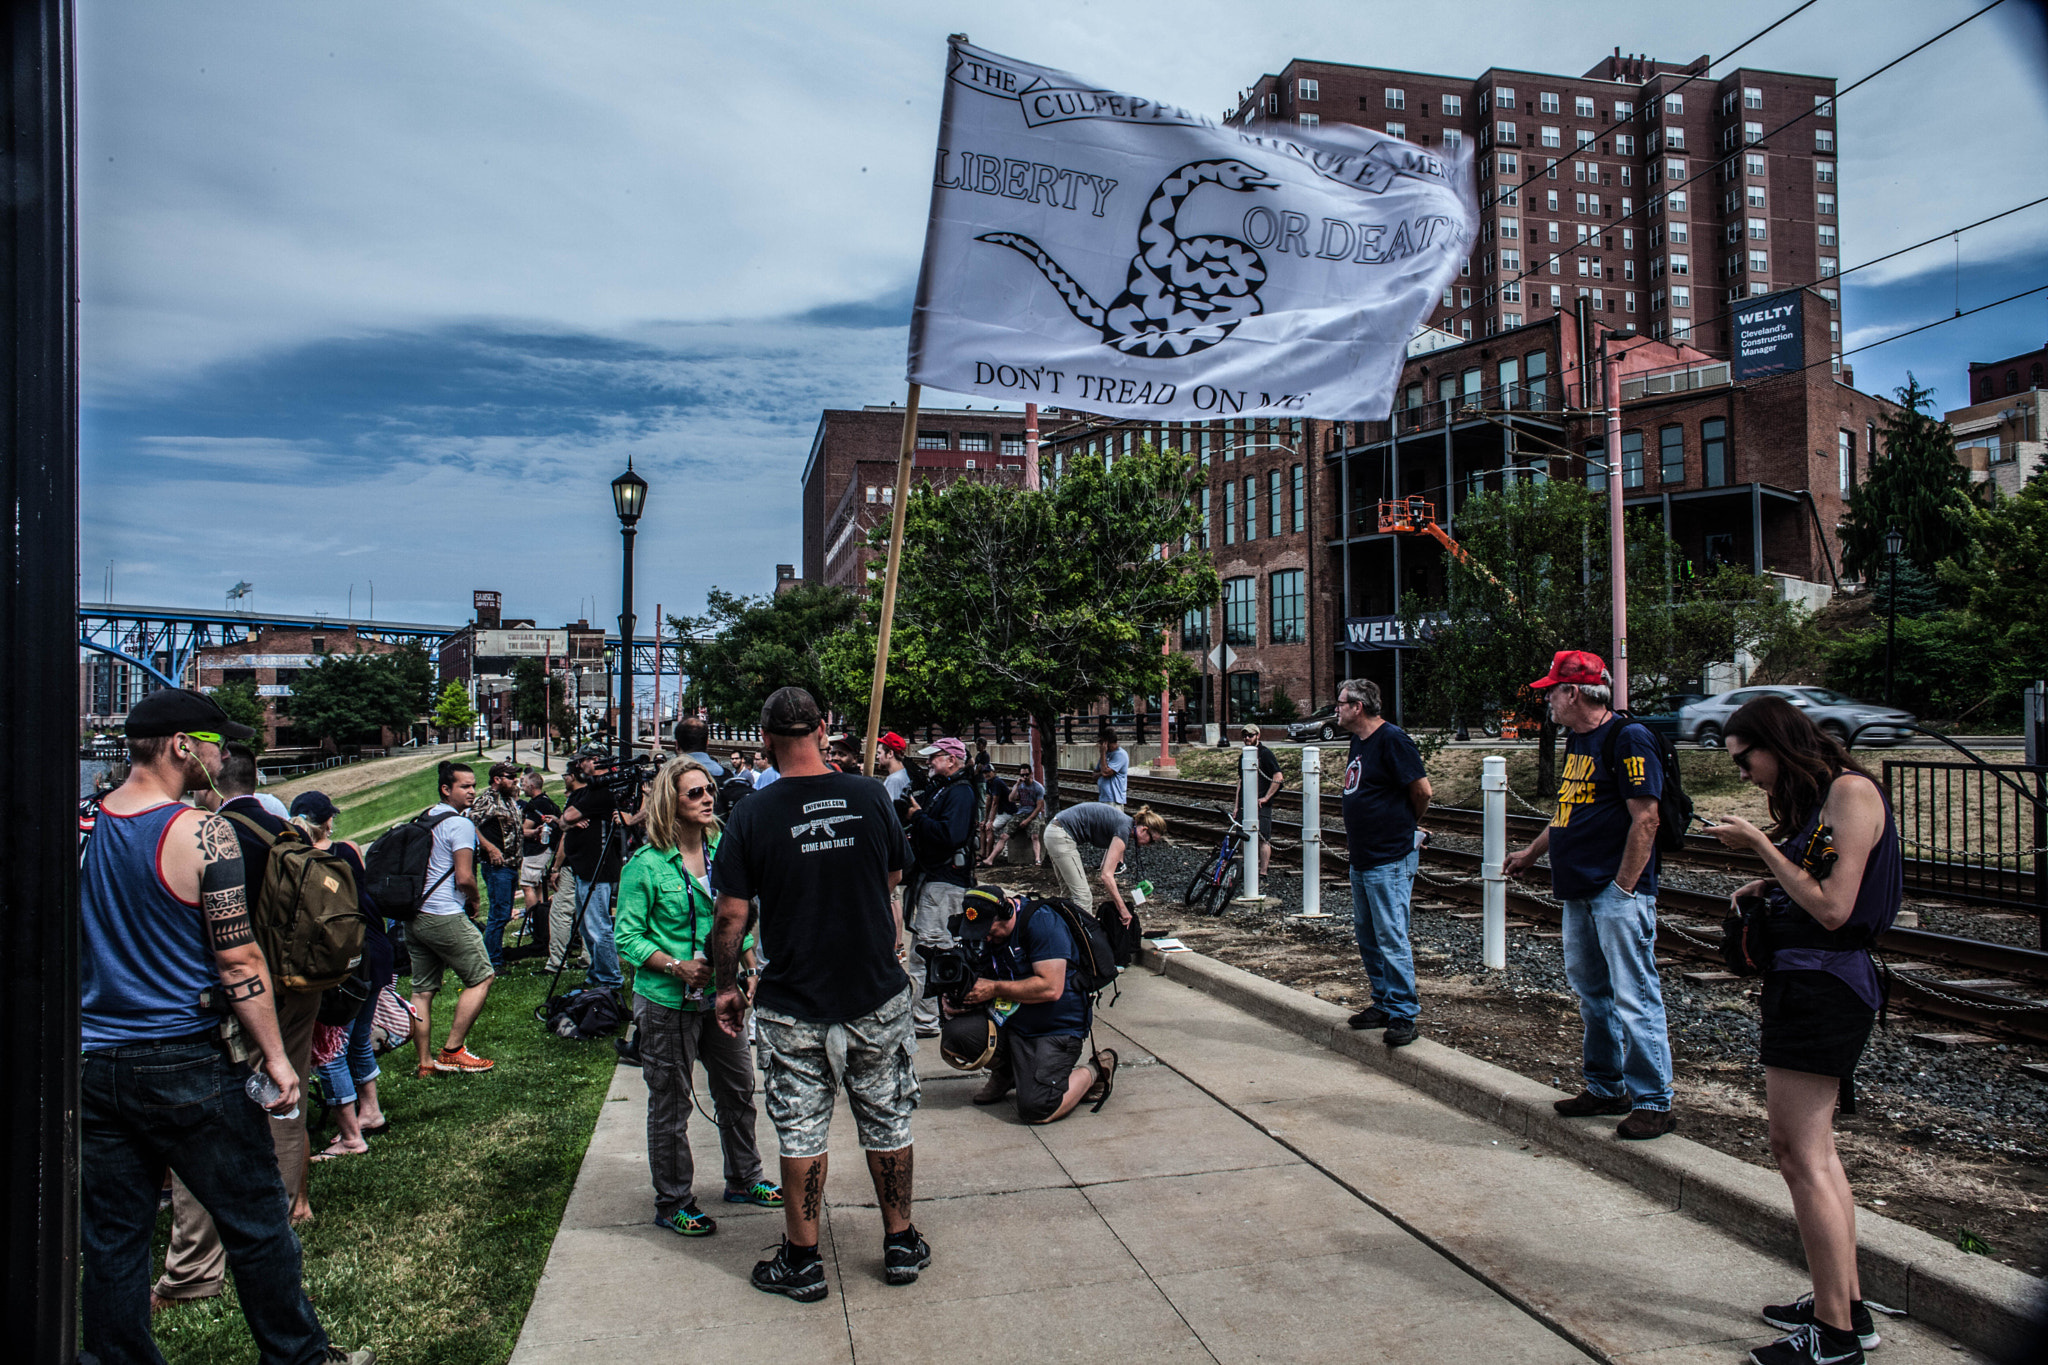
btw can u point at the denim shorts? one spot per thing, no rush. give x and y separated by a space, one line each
803 1064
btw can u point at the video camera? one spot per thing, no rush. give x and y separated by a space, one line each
950 971
623 783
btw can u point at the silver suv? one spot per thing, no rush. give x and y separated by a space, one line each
1838 714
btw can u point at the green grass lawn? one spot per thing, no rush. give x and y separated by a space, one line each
427 1247
368 812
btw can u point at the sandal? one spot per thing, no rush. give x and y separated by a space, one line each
1105 1063
379 1131
335 1150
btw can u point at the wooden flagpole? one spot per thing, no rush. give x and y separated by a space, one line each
904 456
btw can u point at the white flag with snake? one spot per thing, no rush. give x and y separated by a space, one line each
1101 251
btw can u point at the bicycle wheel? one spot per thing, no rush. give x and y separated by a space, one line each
1199 887
1226 885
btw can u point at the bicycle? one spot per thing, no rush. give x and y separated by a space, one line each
1211 887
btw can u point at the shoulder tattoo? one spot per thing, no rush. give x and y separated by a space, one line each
223 893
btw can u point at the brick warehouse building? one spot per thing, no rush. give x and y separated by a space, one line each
1583 184
849 481
1753 473
271 658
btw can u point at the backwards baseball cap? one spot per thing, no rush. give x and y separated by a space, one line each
1574 666
948 745
893 742
314 806
979 906
789 712
177 711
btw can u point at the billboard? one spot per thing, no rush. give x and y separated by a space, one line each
1770 336
521 644
1385 632
480 600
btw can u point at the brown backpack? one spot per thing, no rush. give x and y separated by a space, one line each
306 916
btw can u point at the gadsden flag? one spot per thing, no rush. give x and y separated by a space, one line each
1122 255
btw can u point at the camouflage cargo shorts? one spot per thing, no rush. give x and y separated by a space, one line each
803 1064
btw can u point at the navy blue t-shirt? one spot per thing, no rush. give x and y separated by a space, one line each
1590 830
1041 937
1379 822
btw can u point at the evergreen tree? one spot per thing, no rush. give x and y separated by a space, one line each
1916 485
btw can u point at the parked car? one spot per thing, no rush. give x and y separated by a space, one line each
1320 724
1837 713
1663 719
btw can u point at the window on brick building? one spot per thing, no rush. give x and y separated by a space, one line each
1244 696
934 440
1596 466
1454 139
1824 172
1671 454
1553 137
1300 492
1631 459
1274 502
1251 508
1674 138
1206 524
1311 120
1714 465
1546 104
1454 106
1397 130
1194 629
974 440
1240 611
1753 163
1013 445
1229 512
1824 205
1827 235
1284 613
1674 104
1308 89
1624 145
873 494
1823 140
1758 229
1845 460
1397 99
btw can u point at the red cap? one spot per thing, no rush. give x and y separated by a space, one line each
894 741
1574 666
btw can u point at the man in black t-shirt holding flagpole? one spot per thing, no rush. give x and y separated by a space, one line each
822 850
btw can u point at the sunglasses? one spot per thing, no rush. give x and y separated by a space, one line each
209 736
694 793
1741 760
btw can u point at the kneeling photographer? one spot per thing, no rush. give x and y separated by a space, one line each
1033 1038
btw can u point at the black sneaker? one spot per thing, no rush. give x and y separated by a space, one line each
1370 1017
780 1275
901 1261
1812 1344
1400 1033
339 1355
1792 1316
1586 1103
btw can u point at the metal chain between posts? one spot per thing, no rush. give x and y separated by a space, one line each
1439 881
1530 804
1925 989
1967 859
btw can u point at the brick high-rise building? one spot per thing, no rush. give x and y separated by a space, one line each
1663 194
850 479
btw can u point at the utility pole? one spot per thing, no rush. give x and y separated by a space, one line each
1617 551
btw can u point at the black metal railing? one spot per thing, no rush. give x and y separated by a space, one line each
1974 831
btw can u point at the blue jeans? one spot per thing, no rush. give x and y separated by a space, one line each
1379 919
597 932
180 1104
357 1061
502 883
1610 958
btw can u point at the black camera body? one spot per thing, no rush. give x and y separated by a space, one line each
624 784
950 971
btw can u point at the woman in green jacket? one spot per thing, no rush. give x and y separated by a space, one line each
663 927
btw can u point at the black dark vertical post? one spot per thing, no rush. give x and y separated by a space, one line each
627 722
1891 622
39 689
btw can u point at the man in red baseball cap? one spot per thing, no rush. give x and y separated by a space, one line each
1603 869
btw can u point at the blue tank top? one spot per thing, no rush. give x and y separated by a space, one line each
1877 905
145 954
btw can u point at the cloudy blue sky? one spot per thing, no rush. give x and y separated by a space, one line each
389 291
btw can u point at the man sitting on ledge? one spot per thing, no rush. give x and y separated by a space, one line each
1038 1053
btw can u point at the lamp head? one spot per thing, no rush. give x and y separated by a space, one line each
629 494
1894 542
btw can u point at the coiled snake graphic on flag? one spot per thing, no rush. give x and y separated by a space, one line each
1184 294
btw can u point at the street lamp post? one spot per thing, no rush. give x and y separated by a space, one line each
1893 543
629 494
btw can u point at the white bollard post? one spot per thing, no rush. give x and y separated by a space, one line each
1312 833
1248 776
1493 787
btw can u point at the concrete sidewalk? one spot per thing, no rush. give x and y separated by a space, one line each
1245 1195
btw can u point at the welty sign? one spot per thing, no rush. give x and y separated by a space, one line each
1770 337
1385 632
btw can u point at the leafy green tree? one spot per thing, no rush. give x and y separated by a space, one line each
1945 667
2004 583
1730 609
1915 485
1035 601
240 701
412 668
453 711
744 648
347 698
1537 583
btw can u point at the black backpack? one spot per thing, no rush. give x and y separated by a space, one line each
395 868
1674 807
1094 970
730 793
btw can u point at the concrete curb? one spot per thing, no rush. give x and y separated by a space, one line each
1983 1304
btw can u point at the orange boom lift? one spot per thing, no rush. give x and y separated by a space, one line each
1416 516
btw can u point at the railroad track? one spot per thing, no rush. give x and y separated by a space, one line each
1990 985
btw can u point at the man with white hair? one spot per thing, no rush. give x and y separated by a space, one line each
1603 868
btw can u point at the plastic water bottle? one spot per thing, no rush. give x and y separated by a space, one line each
265 1092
